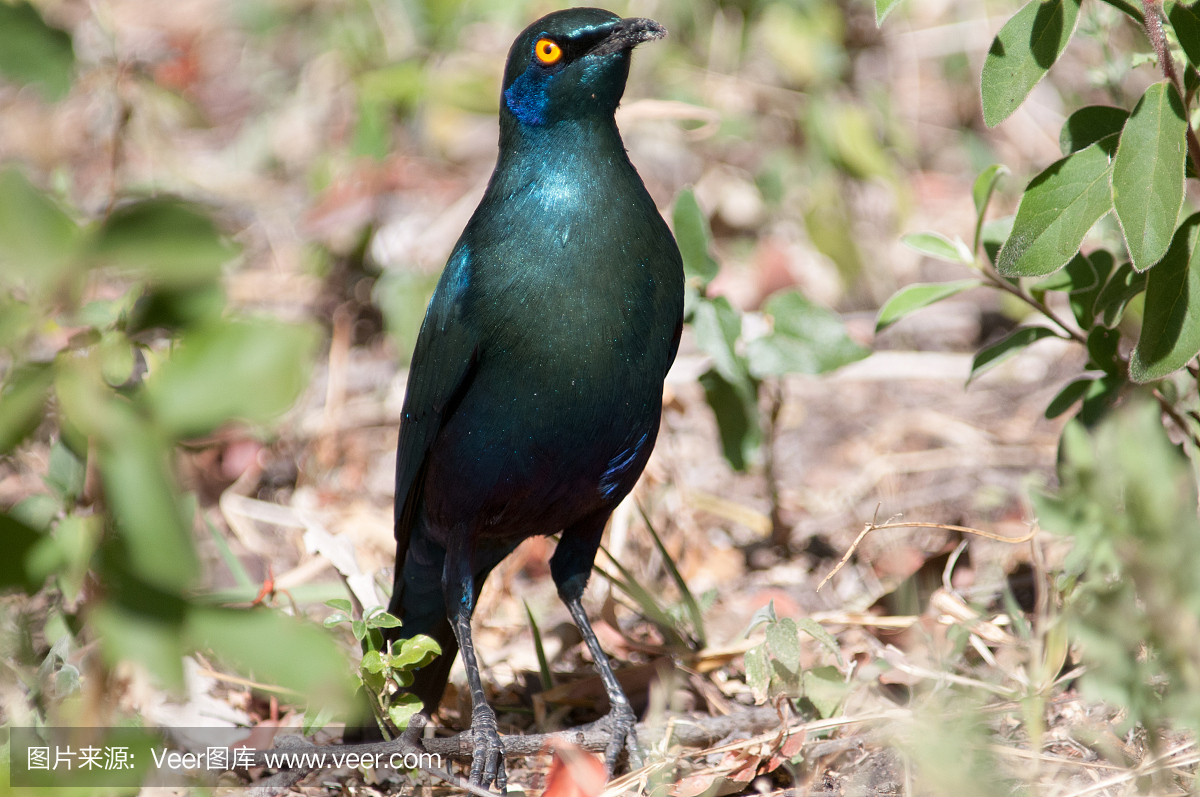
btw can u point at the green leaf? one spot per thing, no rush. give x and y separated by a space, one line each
1022 52
1089 125
145 507
335 619
758 671
765 614
936 245
1058 208
315 720
372 661
693 236
359 629
248 370
1079 275
415 652
117 358
168 241
150 634
716 325
882 9
404 707
34 53
1171 320
1099 399
818 632
64 473
783 640
914 297
1187 30
17 541
981 195
825 688
22 403
1100 264
383 620
737 419
1122 286
806 339
999 352
37 238
341 604
276 649
1102 346
1068 396
538 648
1147 174
402 297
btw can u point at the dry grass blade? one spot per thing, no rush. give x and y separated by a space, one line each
873 526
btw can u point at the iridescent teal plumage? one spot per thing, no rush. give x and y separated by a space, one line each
535 391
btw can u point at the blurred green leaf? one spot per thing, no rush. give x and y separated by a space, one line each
116 358
737 418
981 195
717 326
1012 344
693 236
176 307
34 53
1187 29
882 9
849 138
914 297
247 370
402 297
806 339
1058 208
169 241
141 494
23 402
1067 396
37 239
17 541
994 234
805 41
1089 125
275 649
1171 326
152 641
64 473
825 688
372 130
936 245
1147 173
1022 52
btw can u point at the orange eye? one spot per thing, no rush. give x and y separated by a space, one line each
547 51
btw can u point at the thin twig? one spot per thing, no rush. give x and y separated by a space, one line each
1024 295
872 526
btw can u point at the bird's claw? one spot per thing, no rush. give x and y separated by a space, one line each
487 758
621 724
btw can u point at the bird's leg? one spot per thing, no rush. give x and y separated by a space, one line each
570 566
487 761
620 720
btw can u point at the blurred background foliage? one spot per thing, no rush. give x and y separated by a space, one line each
199 205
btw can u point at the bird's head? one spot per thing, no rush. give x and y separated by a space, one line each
571 64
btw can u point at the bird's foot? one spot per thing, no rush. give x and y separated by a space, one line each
487 759
621 724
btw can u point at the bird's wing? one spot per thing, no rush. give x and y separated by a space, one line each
443 365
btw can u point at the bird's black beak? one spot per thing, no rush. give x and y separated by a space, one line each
627 34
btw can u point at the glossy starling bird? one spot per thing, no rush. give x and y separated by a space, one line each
535 391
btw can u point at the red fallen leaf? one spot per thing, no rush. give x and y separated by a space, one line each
791 746
719 781
574 772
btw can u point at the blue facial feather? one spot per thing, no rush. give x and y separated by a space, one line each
527 98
